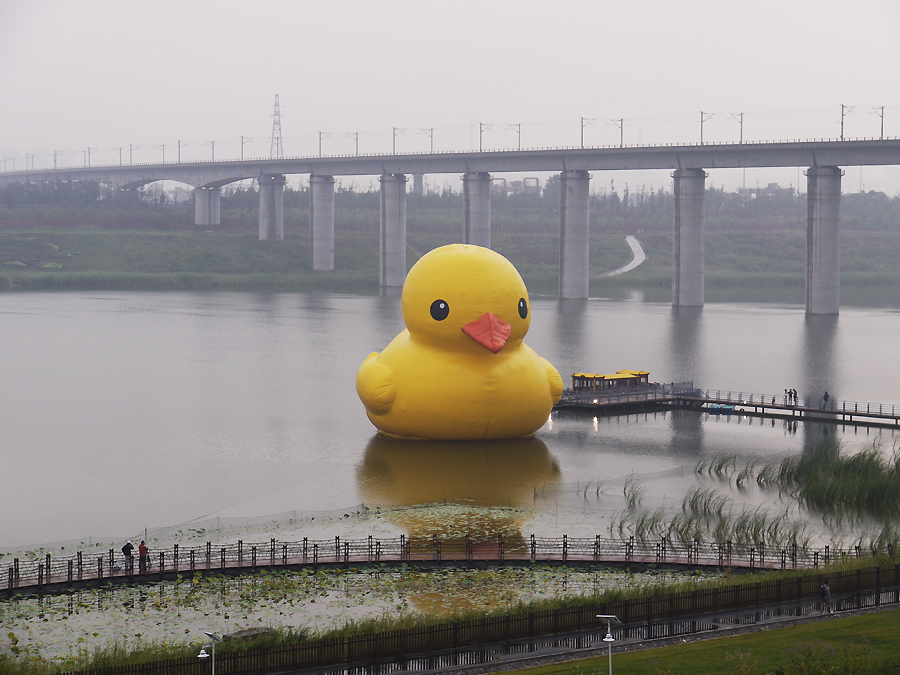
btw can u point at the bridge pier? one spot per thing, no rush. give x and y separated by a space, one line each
687 240
206 207
477 195
419 183
392 252
271 207
321 223
574 233
823 246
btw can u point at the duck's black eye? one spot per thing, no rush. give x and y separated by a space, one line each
440 310
523 308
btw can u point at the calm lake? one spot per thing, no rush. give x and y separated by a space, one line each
122 411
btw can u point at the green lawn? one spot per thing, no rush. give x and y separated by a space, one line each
768 650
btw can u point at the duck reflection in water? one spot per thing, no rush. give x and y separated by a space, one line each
457 491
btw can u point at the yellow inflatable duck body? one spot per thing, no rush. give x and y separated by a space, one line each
460 371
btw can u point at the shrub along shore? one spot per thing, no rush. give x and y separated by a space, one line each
135 260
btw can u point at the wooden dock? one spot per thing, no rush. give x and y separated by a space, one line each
684 396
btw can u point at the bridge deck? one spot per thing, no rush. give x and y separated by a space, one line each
213 173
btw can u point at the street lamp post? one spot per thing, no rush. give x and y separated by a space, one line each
202 655
611 620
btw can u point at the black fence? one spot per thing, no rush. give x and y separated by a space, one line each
482 640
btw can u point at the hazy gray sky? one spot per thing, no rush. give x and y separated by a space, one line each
110 74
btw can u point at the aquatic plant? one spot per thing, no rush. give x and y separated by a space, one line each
707 516
633 491
704 502
744 475
833 482
686 528
649 525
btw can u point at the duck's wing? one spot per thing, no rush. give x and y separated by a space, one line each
556 383
375 385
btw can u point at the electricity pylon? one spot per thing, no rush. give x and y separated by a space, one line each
277 151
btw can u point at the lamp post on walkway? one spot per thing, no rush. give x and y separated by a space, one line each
611 620
202 655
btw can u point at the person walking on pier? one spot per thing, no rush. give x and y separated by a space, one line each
825 400
825 598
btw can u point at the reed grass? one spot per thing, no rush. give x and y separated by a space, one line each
838 485
122 652
634 492
704 502
708 516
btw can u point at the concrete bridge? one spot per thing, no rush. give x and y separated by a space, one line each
823 160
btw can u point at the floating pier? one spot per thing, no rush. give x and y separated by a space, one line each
685 396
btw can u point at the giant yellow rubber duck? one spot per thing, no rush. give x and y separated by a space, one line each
460 371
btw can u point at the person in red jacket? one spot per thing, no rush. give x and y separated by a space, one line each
142 556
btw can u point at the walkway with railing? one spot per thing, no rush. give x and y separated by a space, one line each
719 401
49 573
626 397
819 409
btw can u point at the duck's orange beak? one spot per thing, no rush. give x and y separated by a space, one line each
489 331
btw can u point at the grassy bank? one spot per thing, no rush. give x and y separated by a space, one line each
238 261
860 644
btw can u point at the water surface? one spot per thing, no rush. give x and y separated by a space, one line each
122 411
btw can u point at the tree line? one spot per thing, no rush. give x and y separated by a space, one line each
53 204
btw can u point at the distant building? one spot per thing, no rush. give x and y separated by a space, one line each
179 195
771 190
526 186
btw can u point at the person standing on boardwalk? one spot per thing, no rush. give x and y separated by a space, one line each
127 550
825 400
142 556
825 598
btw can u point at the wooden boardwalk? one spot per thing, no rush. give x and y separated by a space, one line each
54 574
683 395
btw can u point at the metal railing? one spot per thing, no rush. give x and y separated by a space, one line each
617 395
820 404
683 394
424 153
34 573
